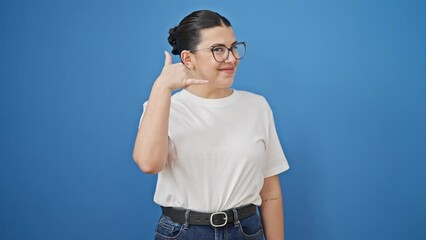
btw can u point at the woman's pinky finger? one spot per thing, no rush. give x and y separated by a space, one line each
191 81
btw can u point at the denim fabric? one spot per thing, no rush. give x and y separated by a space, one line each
247 229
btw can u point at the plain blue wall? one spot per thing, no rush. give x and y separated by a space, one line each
346 81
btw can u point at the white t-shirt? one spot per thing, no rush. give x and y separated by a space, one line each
220 151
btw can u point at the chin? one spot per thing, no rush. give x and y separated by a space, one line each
223 83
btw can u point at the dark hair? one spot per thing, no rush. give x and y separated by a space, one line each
186 35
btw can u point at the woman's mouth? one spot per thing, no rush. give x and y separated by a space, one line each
229 70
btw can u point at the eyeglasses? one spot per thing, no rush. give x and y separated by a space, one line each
221 52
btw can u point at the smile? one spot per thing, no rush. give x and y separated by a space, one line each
228 70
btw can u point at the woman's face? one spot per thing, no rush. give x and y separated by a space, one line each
220 75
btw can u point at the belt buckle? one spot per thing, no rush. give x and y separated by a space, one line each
218 225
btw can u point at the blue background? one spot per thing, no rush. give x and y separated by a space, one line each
346 81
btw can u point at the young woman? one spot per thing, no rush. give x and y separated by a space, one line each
215 149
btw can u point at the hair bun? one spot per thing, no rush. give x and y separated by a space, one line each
172 40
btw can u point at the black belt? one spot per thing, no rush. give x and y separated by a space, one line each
217 219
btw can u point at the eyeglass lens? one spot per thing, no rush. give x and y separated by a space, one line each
221 53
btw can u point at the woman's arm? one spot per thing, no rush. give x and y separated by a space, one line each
151 146
271 209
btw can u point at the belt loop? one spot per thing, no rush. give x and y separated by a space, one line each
186 224
236 220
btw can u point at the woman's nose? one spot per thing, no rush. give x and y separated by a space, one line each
231 58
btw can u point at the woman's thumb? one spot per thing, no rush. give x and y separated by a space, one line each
168 58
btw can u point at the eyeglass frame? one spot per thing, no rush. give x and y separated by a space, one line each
229 50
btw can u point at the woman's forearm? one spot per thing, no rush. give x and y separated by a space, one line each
271 209
151 146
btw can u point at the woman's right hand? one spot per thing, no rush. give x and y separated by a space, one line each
176 76
152 142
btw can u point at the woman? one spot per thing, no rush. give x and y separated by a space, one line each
215 149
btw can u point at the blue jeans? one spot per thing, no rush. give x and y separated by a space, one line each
246 229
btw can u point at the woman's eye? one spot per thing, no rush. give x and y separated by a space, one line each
219 49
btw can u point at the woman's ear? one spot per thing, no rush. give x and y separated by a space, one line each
187 59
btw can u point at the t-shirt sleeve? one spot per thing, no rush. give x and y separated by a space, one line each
143 111
275 160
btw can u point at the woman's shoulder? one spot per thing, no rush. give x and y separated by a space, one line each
252 97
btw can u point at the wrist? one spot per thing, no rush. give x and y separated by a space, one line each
161 87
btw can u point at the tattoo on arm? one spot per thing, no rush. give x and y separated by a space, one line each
270 199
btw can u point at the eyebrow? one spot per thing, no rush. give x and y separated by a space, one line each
221 44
